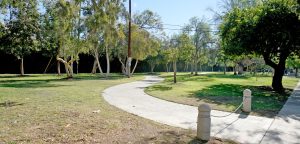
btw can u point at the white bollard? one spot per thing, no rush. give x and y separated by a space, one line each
247 100
203 122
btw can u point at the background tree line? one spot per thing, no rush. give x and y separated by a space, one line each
253 36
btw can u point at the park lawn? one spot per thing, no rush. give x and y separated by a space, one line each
223 92
50 109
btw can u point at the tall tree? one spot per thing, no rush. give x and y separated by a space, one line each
143 44
181 47
22 30
113 11
147 20
270 29
104 31
48 40
201 37
64 15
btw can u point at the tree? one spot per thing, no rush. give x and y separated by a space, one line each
65 16
181 47
148 20
145 22
143 45
113 9
270 29
166 55
293 62
212 57
21 30
201 38
153 61
2 30
48 40
94 24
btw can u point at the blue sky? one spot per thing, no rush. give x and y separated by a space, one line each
177 12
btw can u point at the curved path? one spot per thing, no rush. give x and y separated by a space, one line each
132 98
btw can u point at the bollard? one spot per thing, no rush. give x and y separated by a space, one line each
203 122
247 100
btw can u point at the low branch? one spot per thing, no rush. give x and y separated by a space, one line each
268 61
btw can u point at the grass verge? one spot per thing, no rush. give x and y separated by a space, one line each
223 92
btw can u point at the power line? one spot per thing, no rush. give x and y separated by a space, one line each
184 26
176 29
191 30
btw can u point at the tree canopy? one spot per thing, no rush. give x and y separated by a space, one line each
270 29
21 33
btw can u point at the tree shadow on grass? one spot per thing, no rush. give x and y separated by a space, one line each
23 76
159 88
10 104
98 77
185 78
113 76
230 76
178 137
204 77
28 84
265 102
46 82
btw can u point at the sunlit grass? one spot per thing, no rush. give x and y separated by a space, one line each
51 109
223 92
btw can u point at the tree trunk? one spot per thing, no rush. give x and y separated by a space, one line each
58 68
99 66
71 72
48 65
296 73
67 71
72 66
278 71
107 62
200 67
277 79
77 68
94 70
225 69
234 69
186 67
152 66
68 67
167 67
123 67
192 68
136 62
196 68
175 71
22 67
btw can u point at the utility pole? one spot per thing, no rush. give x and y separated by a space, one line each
129 43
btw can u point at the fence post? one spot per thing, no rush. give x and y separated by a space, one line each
203 122
247 100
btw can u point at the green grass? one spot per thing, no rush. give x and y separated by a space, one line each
50 109
223 92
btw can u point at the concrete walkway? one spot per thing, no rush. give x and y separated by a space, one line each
242 128
286 126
